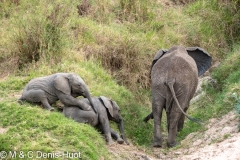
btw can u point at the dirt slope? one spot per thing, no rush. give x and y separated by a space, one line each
221 141
129 152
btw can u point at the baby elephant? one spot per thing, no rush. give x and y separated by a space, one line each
60 86
106 110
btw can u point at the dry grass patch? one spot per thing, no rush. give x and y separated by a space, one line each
123 59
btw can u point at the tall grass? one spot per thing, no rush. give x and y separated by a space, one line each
38 31
122 10
41 36
128 32
127 47
219 22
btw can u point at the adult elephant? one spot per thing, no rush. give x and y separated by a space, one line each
107 110
174 75
60 86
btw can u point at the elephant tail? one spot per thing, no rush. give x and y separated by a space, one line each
20 100
170 85
150 116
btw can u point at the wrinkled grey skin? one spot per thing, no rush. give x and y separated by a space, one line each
106 110
174 76
60 86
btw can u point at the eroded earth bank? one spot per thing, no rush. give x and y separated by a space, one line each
220 141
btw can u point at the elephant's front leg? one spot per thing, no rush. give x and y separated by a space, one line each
68 100
157 108
117 137
105 127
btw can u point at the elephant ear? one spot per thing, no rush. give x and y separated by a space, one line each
61 83
107 104
201 57
158 55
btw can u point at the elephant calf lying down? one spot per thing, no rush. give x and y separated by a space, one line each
106 110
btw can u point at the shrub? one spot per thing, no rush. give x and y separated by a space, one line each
123 58
237 105
37 32
231 19
224 73
40 37
123 10
135 10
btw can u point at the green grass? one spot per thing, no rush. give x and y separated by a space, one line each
38 128
111 47
31 128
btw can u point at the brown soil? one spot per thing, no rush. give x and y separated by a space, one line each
3 130
220 141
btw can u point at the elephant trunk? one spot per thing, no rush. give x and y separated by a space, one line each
91 102
121 128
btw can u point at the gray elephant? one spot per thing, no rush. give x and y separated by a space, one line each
174 76
106 110
60 86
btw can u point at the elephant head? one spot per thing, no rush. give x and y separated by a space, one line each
114 114
74 85
201 57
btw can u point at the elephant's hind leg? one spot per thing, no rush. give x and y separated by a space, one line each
176 120
172 128
37 95
20 100
157 108
181 122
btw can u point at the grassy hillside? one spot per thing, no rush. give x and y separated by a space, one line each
32 128
110 44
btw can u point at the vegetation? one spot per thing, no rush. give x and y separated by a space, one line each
32 129
228 75
110 44
237 106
